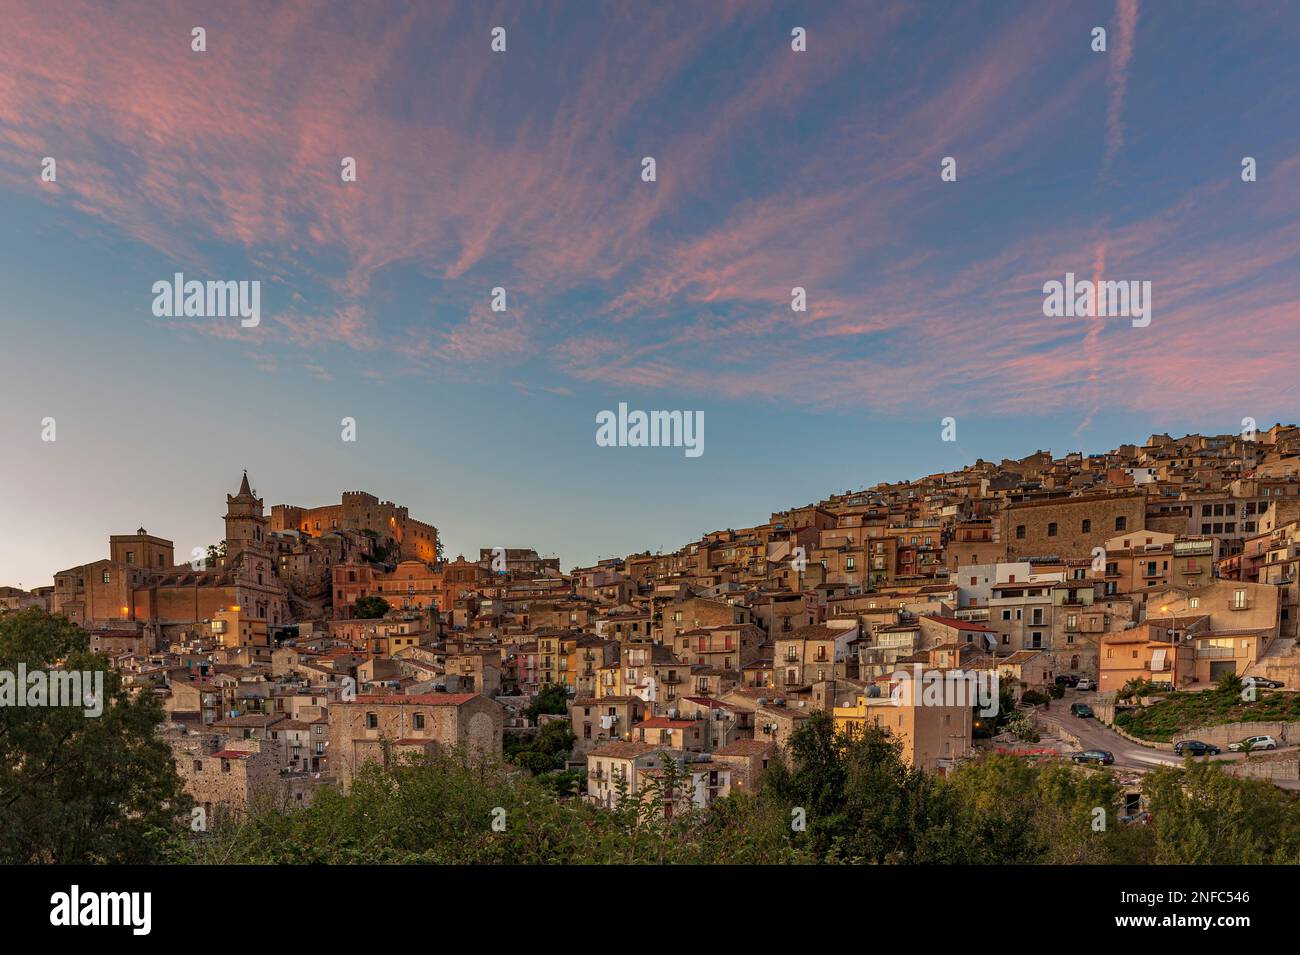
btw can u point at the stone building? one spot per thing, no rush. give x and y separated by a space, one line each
376 728
360 510
1069 526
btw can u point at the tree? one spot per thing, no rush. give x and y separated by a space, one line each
552 699
859 800
216 554
1230 684
1201 815
547 751
370 607
78 788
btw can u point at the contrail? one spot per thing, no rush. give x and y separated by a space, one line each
1126 14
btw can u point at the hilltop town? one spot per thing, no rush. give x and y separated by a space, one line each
315 639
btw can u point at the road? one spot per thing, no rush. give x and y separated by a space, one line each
1094 734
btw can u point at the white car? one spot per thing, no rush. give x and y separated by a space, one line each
1085 685
1256 742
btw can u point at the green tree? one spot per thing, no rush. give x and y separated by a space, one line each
1201 815
76 788
370 607
1230 684
552 699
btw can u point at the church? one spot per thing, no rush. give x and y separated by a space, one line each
140 588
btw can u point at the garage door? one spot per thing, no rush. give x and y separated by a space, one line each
1219 670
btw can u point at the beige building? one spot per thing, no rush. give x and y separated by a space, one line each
933 737
1069 526
375 728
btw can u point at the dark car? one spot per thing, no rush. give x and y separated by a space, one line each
1259 681
1067 680
1196 748
1080 709
1101 757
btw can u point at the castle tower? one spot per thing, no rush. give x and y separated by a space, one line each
245 522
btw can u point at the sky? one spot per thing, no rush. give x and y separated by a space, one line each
523 170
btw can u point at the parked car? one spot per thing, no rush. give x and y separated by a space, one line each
1259 681
1085 684
1196 748
1066 679
1081 709
1102 757
1255 742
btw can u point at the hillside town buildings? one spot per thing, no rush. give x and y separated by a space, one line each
1173 561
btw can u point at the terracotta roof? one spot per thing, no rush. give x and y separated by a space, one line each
958 624
421 699
624 749
746 747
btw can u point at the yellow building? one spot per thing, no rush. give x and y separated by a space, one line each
233 628
933 737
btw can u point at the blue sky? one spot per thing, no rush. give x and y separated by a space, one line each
522 170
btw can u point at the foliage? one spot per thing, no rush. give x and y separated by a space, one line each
983 727
370 607
441 810
1021 723
1137 687
1203 816
1181 711
77 788
552 699
861 803
546 751
1230 683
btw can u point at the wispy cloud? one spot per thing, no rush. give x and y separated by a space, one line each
1120 57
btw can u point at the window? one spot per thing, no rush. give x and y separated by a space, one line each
1087 526
1020 532
130 557
1051 529
417 721
108 578
372 721
1121 523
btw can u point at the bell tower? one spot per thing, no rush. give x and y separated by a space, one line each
245 522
